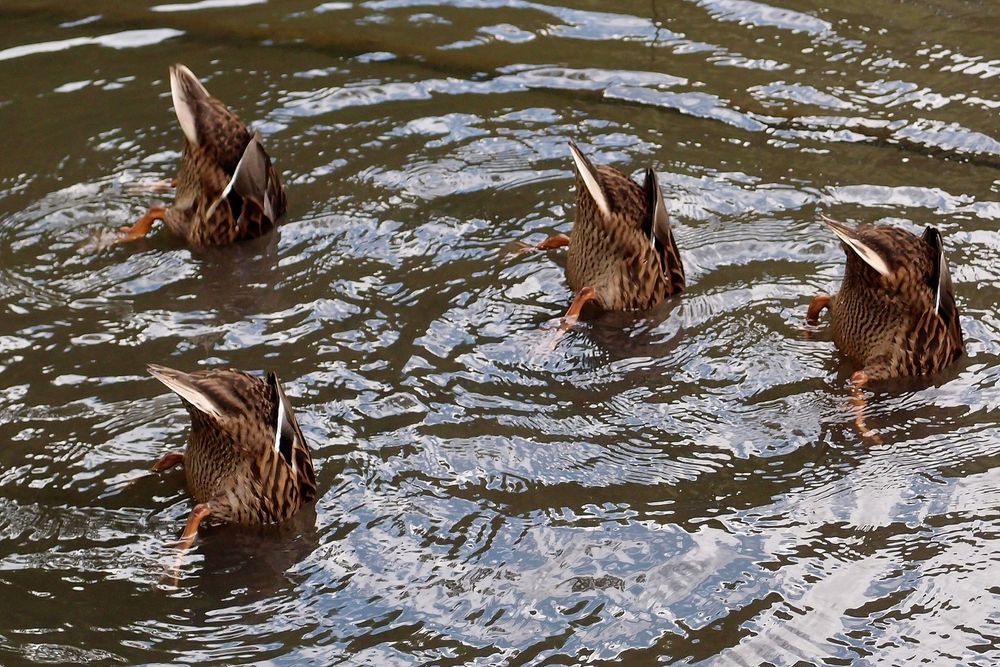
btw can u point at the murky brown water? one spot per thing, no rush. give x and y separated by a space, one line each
686 487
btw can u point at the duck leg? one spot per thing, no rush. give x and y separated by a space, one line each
200 512
585 295
551 243
816 306
105 239
143 226
870 373
168 461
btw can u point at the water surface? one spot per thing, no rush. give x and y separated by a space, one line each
684 486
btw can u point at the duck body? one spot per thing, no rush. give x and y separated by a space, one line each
246 460
895 313
621 244
227 188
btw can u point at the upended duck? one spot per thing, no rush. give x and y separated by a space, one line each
622 254
895 314
246 461
227 188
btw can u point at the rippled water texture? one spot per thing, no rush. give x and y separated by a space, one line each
683 486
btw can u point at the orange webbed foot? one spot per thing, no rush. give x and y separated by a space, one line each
816 306
859 403
571 317
104 239
200 512
519 247
168 461
143 226
553 242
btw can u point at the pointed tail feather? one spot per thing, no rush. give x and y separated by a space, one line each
587 172
186 91
181 384
862 250
284 422
289 443
250 178
656 225
940 280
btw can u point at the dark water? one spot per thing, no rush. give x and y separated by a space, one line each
682 487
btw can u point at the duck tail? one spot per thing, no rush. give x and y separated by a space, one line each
187 91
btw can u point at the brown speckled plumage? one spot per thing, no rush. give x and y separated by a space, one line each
628 256
216 141
902 323
231 462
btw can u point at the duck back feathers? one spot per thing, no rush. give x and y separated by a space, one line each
246 453
895 313
621 243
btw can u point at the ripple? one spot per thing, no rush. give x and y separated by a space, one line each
127 39
204 4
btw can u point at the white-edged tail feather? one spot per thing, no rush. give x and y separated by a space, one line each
656 210
179 383
944 278
589 176
285 431
277 426
867 254
183 86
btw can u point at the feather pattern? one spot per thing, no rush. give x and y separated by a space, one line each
896 316
624 247
247 455
227 188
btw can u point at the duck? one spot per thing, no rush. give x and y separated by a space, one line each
622 254
246 460
895 314
227 187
